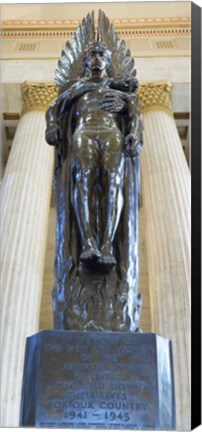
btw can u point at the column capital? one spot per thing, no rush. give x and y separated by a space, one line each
37 96
155 96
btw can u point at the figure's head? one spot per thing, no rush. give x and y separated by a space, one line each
97 57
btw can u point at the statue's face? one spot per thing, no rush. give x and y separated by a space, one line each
97 59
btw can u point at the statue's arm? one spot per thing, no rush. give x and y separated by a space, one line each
53 130
134 131
135 125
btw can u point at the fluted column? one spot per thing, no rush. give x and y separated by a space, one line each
26 190
166 201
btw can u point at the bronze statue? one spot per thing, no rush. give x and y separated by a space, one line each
96 128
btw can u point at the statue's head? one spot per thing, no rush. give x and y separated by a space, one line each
97 56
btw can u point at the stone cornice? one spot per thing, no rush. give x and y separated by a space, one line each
153 96
127 27
76 22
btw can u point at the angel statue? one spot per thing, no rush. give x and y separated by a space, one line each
96 128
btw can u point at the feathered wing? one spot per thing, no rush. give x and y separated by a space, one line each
71 61
122 61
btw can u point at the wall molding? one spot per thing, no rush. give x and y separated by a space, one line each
126 27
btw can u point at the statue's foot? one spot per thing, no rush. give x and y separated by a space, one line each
107 257
90 252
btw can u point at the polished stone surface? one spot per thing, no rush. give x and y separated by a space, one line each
95 380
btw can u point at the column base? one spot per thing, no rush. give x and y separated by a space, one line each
98 380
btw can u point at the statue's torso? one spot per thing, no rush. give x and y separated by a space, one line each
88 113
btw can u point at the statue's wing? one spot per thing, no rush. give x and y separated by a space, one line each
122 61
71 61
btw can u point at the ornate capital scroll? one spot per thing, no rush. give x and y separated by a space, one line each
155 96
37 96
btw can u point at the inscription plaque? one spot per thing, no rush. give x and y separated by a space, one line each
98 380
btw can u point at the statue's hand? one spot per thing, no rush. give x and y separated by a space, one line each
53 134
133 146
113 103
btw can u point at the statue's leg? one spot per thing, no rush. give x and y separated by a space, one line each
84 155
112 173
